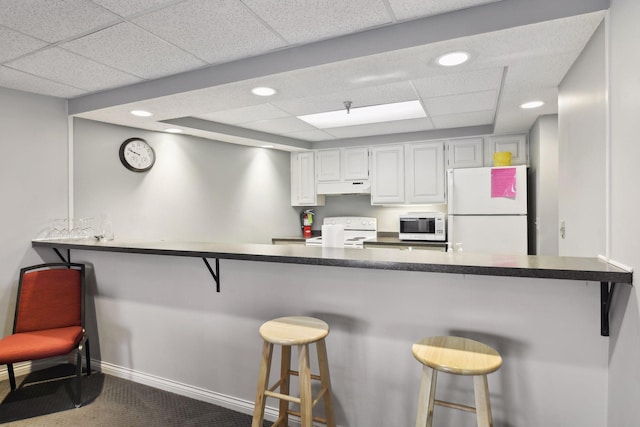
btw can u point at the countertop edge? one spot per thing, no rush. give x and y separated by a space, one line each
345 258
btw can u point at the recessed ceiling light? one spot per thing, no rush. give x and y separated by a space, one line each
173 130
532 104
363 115
453 58
263 91
267 146
141 113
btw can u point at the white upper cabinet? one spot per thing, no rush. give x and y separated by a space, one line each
387 174
465 153
328 164
516 144
347 164
303 180
425 176
355 163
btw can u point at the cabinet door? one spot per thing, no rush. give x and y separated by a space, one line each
465 153
355 163
328 164
424 162
516 144
387 174
303 183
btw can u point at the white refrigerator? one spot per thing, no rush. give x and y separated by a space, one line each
487 210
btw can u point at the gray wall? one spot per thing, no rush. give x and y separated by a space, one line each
582 113
543 183
33 182
624 377
198 190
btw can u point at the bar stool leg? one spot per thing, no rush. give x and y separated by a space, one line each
263 384
426 398
325 381
483 406
285 367
306 403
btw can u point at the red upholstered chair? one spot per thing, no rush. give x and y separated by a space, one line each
49 318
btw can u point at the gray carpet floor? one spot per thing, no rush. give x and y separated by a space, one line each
42 399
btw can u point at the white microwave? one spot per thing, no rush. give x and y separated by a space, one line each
428 226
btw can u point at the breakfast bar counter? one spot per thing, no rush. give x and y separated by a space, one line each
569 268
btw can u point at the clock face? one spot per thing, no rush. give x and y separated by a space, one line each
137 155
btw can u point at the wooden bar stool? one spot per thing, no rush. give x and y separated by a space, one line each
287 332
460 356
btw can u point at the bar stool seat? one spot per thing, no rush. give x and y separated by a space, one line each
296 331
459 356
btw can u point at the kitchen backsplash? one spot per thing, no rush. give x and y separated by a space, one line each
360 205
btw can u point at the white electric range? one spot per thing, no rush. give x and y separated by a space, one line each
357 230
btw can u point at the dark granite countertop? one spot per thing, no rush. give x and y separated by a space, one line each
570 268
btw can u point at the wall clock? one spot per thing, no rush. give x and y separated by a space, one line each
137 155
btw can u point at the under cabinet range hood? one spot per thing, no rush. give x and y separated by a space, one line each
343 187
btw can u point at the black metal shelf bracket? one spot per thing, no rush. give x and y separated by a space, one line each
68 259
606 294
215 274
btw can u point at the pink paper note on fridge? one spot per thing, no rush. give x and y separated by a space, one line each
503 182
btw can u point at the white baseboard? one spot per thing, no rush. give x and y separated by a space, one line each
225 401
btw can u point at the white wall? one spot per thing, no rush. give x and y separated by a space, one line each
33 182
543 182
198 190
582 138
624 376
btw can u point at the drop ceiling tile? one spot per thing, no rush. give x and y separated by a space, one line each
15 44
463 103
279 126
475 118
310 135
359 97
398 126
129 48
215 31
247 114
53 21
18 80
459 83
129 8
303 22
411 9
68 68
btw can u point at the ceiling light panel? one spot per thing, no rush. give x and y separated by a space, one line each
364 115
386 128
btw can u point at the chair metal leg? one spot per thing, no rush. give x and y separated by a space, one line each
12 377
79 378
87 357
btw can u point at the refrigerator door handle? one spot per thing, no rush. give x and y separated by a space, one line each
450 191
